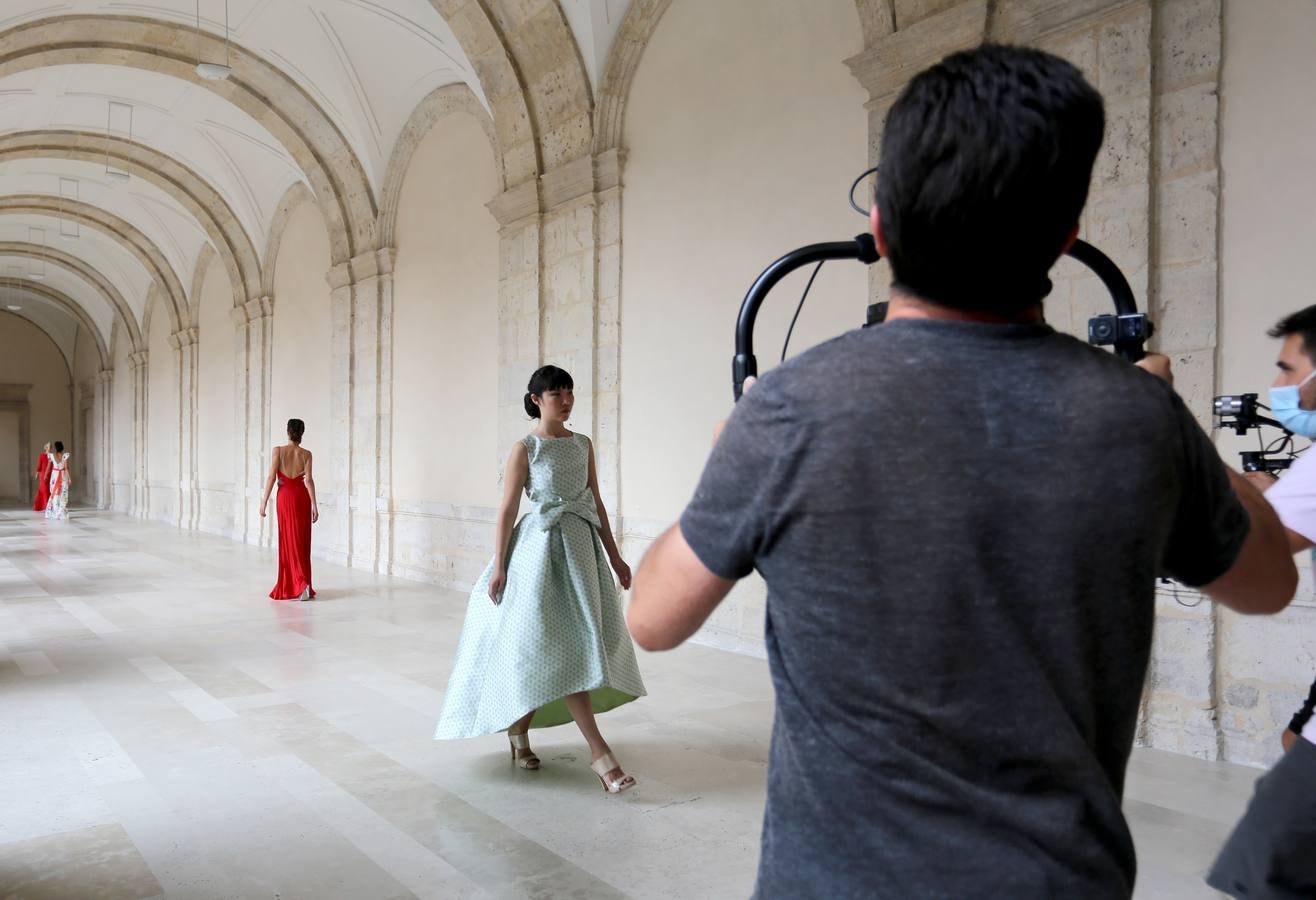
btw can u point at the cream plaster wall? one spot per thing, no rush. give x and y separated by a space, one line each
445 308
300 356
1268 137
121 426
217 451
28 356
445 357
744 131
163 420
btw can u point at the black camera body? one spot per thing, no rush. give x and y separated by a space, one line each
1126 330
1241 414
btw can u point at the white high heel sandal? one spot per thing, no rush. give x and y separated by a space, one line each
522 742
605 764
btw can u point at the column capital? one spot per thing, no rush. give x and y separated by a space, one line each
253 310
138 359
582 177
893 59
105 376
371 264
184 337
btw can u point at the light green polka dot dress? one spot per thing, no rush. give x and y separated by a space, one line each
560 628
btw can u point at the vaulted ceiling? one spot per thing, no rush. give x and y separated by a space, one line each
119 166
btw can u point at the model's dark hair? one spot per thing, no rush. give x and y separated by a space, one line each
985 167
549 378
296 428
59 446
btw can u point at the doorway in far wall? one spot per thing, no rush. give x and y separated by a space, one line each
12 488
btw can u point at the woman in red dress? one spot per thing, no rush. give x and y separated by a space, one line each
43 480
298 511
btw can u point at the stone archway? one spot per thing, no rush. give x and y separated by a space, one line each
123 313
256 87
119 231
193 193
446 100
74 309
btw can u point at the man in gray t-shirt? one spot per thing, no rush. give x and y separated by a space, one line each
960 515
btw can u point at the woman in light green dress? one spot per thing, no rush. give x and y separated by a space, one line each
545 639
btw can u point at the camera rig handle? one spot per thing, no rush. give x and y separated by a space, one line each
1127 330
745 365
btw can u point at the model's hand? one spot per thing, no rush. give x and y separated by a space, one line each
496 585
262 510
623 573
315 514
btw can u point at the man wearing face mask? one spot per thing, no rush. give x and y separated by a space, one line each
1272 851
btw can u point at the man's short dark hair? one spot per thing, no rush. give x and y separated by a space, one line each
1302 322
986 162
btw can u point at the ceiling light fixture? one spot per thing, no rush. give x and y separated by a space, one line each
12 308
207 70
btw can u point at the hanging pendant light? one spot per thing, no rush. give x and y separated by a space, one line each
208 70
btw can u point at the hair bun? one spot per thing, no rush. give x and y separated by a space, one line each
531 409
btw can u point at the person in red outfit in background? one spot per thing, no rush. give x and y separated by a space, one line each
298 511
43 480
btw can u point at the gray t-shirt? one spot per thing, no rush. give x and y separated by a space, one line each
960 526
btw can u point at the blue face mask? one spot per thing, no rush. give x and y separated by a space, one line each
1284 404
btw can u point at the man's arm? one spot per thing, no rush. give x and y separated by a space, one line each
1264 481
1263 578
673 593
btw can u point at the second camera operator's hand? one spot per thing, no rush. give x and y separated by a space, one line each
1159 365
717 429
1262 481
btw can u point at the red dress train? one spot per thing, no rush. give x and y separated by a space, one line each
294 509
43 483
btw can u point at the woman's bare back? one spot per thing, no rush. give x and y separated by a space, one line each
294 457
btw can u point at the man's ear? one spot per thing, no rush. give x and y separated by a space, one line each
1069 239
875 220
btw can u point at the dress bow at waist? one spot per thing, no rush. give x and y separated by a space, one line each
551 509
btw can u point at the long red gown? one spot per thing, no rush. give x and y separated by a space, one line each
43 483
294 508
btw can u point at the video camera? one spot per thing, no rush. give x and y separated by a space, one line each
1240 413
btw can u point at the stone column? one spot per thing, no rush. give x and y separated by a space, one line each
252 340
105 438
1188 708
140 506
887 65
361 379
519 325
559 299
86 441
607 327
185 344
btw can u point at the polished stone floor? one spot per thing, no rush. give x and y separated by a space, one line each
166 730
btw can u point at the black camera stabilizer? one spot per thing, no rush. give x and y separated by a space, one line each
1239 413
1127 330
